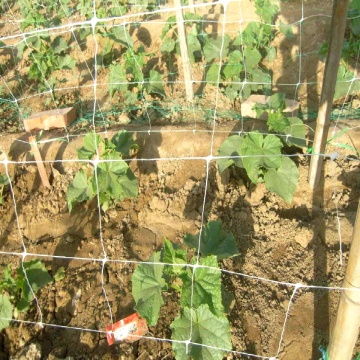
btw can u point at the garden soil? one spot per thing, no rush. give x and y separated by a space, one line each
287 243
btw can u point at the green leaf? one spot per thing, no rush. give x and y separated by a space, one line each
194 47
283 180
277 101
212 74
117 78
37 277
80 189
277 121
124 142
216 48
252 58
121 35
116 179
60 274
59 45
90 144
230 147
155 84
203 286
271 54
147 285
296 131
168 45
205 328
233 66
258 152
214 241
266 9
66 62
173 255
249 37
6 311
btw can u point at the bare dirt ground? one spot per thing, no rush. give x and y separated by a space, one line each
290 243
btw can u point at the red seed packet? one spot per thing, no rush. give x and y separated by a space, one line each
124 329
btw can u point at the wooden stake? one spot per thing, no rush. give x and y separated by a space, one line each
39 161
337 30
184 52
346 329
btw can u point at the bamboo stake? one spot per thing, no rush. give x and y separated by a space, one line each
39 161
337 30
184 52
346 329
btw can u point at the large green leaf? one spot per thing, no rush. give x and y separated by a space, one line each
117 78
59 45
80 189
233 66
115 179
173 255
205 328
6 311
32 273
214 241
230 147
121 35
252 58
124 142
216 48
283 180
259 151
168 45
90 144
212 74
155 84
296 132
249 37
194 47
202 285
277 101
147 285
66 62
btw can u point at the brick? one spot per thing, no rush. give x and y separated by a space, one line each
292 107
51 119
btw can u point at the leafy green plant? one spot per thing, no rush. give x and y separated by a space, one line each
17 292
262 156
4 180
127 72
111 175
202 296
46 56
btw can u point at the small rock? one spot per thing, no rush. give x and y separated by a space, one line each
303 238
30 352
256 228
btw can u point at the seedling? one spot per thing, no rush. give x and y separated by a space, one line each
4 181
261 156
111 175
17 293
201 293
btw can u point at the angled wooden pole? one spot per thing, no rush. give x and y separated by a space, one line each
337 30
184 52
39 161
346 328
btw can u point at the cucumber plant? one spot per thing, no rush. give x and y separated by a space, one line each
202 296
110 174
126 74
46 56
262 155
16 294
